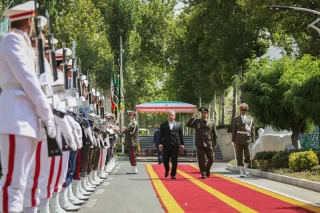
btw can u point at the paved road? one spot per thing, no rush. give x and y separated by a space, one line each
123 193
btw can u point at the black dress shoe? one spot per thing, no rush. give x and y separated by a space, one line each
166 174
208 173
204 176
173 177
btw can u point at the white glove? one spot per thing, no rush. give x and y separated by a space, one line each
87 133
94 141
232 143
79 130
51 128
66 131
101 140
107 141
73 125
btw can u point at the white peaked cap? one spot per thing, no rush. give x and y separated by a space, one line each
59 53
83 77
21 11
93 90
54 41
43 21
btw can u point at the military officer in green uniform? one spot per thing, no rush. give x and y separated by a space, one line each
242 138
132 140
206 140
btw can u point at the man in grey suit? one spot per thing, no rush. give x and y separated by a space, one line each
171 139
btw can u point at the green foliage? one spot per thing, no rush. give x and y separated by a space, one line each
265 155
281 159
318 155
267 86
302 160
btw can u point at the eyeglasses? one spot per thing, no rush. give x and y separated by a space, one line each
243 109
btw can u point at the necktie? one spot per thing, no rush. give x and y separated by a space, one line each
205 122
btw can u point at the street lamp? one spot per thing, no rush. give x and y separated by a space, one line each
312 25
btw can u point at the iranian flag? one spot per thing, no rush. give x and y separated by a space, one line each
112 95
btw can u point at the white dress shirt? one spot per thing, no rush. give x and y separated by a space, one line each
171 124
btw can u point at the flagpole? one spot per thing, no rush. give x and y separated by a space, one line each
121 83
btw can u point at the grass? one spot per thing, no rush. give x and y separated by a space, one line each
313 174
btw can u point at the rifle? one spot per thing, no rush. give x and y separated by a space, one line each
53 147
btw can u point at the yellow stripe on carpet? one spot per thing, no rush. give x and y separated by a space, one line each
168 201
267 192
224 198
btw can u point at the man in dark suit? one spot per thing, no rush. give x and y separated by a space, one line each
171 138
156 143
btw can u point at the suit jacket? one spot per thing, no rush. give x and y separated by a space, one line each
172 137
240 135
21 107
206 134
156 137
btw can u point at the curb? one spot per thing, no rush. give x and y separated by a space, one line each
306 184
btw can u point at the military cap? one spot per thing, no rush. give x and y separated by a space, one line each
131 112
244 106
21 11
203 109
59 53
54 41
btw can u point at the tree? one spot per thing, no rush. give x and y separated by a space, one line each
266 87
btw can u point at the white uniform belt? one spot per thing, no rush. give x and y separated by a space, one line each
242 132
12 86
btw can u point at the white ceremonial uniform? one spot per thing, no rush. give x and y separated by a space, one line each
22 103
40 168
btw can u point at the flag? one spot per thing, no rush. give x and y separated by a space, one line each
121 93
113 98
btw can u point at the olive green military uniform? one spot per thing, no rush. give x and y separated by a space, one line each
206 139
132 141
242 136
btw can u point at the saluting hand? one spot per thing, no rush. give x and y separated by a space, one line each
194 115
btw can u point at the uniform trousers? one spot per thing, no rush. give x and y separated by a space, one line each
38 176
96 159
204 152
170 151
85 155
103 158
108 156
72 164
17 154
133 155
242 150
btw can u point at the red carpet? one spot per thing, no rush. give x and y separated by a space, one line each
192 194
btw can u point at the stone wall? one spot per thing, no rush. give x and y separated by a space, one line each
224 141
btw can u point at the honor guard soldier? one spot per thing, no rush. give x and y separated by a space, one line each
22 104
206 140
132 140
242 137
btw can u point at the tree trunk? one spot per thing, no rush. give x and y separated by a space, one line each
294 137
223 106
214 112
